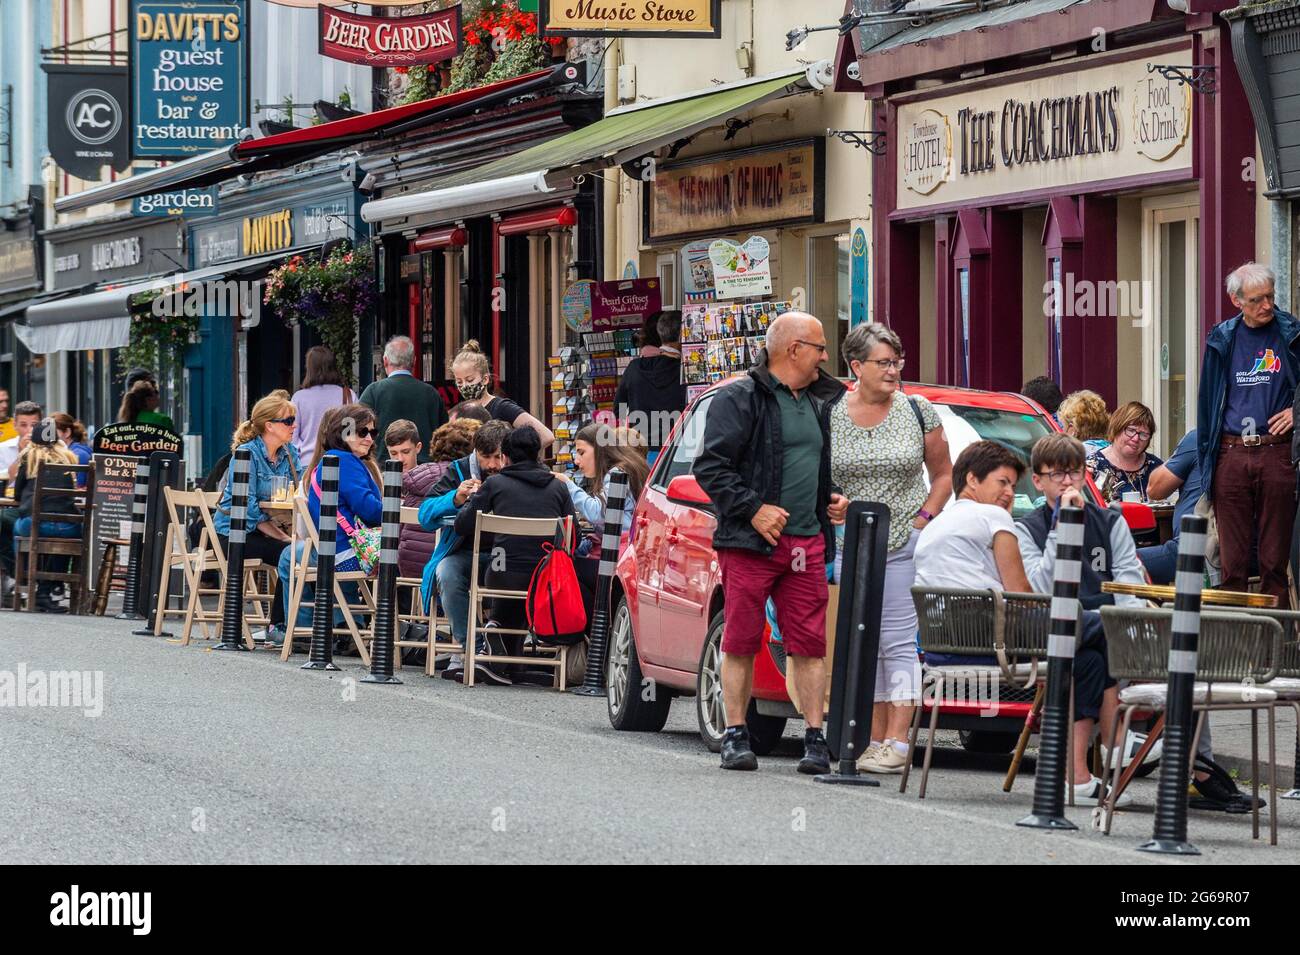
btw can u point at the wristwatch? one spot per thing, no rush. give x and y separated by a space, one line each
926 514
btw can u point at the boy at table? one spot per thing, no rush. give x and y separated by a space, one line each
1057 467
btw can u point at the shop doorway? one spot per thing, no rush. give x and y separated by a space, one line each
1171 316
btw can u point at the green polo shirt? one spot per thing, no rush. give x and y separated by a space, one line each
801 438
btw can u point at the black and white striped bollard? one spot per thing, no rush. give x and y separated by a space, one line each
381 647
593 683
131 597
1054 739
322 614
1170 835
232 616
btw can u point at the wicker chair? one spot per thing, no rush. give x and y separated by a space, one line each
1287 683
1008 630
1237 655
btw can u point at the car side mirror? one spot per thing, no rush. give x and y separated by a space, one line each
685 489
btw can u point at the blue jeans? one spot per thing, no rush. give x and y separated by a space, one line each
453 588
291 555
1160 561
23 528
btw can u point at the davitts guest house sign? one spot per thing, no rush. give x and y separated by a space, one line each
1118 121
390 41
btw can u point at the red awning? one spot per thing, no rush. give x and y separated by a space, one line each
298 145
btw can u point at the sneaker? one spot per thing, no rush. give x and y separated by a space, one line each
485 674
274 636
816 756
869 753
886 759
455 669
1090 793
47 604
1128 752
736 753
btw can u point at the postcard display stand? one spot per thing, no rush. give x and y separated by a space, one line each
584 380
722 339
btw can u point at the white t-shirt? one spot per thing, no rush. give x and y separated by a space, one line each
8 455
956 548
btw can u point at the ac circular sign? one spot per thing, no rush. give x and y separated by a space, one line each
94 117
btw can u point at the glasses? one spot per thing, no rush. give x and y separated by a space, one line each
1133 432
886 364
1059 476
367 432
821 348
289 420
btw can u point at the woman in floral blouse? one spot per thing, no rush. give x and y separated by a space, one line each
1124 465
883 444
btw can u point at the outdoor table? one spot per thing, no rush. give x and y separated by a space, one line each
283 509
1162 593
1164 514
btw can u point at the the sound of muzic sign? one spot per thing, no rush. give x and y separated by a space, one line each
189 70
1107 122
665 18
390 41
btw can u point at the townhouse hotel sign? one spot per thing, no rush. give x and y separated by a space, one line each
1108 122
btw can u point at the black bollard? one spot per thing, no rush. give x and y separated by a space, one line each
1170 835
232 616
857 640
381 647
322 613
131 598
593 682
164 471
1054 739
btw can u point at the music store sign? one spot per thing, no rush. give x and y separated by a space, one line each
1109 122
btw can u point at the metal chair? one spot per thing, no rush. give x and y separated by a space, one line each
1237 655
1008 630
1287 682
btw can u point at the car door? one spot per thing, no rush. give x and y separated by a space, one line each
688 563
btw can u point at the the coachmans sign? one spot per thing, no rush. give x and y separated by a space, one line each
1108 122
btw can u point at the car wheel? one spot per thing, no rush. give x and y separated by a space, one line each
988 741
628 708
765 732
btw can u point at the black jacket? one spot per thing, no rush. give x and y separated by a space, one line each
25 494
651 385
519 490
740 463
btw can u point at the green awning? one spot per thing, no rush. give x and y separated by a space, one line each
625 133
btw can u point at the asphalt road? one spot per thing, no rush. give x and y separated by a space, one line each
203 757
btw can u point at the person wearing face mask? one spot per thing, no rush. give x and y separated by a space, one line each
974 545
448 569
473 374
883 446
402 395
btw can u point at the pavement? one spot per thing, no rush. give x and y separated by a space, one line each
211 757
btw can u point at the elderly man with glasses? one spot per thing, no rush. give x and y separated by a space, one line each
1243 425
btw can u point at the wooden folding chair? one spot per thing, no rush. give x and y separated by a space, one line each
304 572
209 556
409 594
547 656
74 548
177 554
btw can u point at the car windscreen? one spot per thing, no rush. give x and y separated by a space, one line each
963 424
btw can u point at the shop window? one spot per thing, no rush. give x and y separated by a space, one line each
829 295
963 309
1057 308
666 269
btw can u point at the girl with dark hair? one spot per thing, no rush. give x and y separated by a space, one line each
140 406
323 387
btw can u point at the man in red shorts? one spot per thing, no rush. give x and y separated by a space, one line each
765 464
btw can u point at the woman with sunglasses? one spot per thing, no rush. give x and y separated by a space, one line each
1125 465
268 436
349 433
883 445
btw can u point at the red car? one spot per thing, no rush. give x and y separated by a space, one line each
666 625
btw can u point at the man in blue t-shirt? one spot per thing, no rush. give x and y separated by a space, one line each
1181 472
1244 421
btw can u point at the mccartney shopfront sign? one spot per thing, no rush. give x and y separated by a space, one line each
390 41
1109 122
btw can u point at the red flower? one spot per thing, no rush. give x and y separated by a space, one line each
401 69
472 38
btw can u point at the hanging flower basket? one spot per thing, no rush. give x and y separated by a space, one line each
329 297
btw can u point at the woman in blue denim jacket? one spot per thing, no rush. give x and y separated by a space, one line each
268 435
